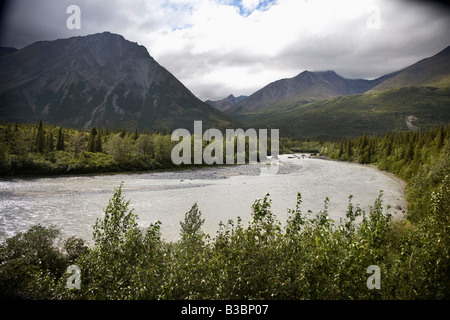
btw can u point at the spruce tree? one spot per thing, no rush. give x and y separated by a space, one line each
60 141
440 139
363 142
420 138
91 143
349 150
98 143
388 140
40 138
341 150
409 153
50 144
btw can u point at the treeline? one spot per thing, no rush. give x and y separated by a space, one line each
401 153
420 158
310 257
27 149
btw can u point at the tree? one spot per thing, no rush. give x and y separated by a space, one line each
117 239
119 148
25 260
98 143
40 138
191 227
349 149
60 141
409 153
50 143
440 139
388 146
144 145
21 145
162 149
118 222
77 143
91 142
3 155
341 150
363 141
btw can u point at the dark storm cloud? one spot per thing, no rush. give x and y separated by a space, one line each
25 22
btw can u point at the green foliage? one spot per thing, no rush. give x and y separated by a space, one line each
28 261
92 138
118 222
75 247
78 151
402 153
60 141
191 227
33 150
40 138
108 273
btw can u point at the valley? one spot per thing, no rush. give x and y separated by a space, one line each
103 80
86 116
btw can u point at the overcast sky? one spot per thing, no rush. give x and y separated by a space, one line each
222 47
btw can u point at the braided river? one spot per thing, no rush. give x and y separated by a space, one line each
73 203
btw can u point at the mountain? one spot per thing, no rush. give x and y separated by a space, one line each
433 71
225 103
417 96
407 108
97 80
306 87
6 50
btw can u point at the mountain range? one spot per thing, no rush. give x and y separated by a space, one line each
105 80
306 87
316 86
324 105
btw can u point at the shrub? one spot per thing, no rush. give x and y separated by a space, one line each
29 261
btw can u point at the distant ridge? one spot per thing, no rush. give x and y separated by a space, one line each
432 71
305 87
225 103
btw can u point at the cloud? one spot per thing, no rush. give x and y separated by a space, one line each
250 4
218 47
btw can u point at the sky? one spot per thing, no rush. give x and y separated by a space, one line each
221 47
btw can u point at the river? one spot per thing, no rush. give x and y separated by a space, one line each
73 203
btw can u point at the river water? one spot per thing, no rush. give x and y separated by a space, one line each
73 203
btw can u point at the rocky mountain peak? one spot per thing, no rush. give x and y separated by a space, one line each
100 79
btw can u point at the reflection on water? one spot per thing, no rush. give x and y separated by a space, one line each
222 193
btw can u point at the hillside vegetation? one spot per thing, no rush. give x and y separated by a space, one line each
350 116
